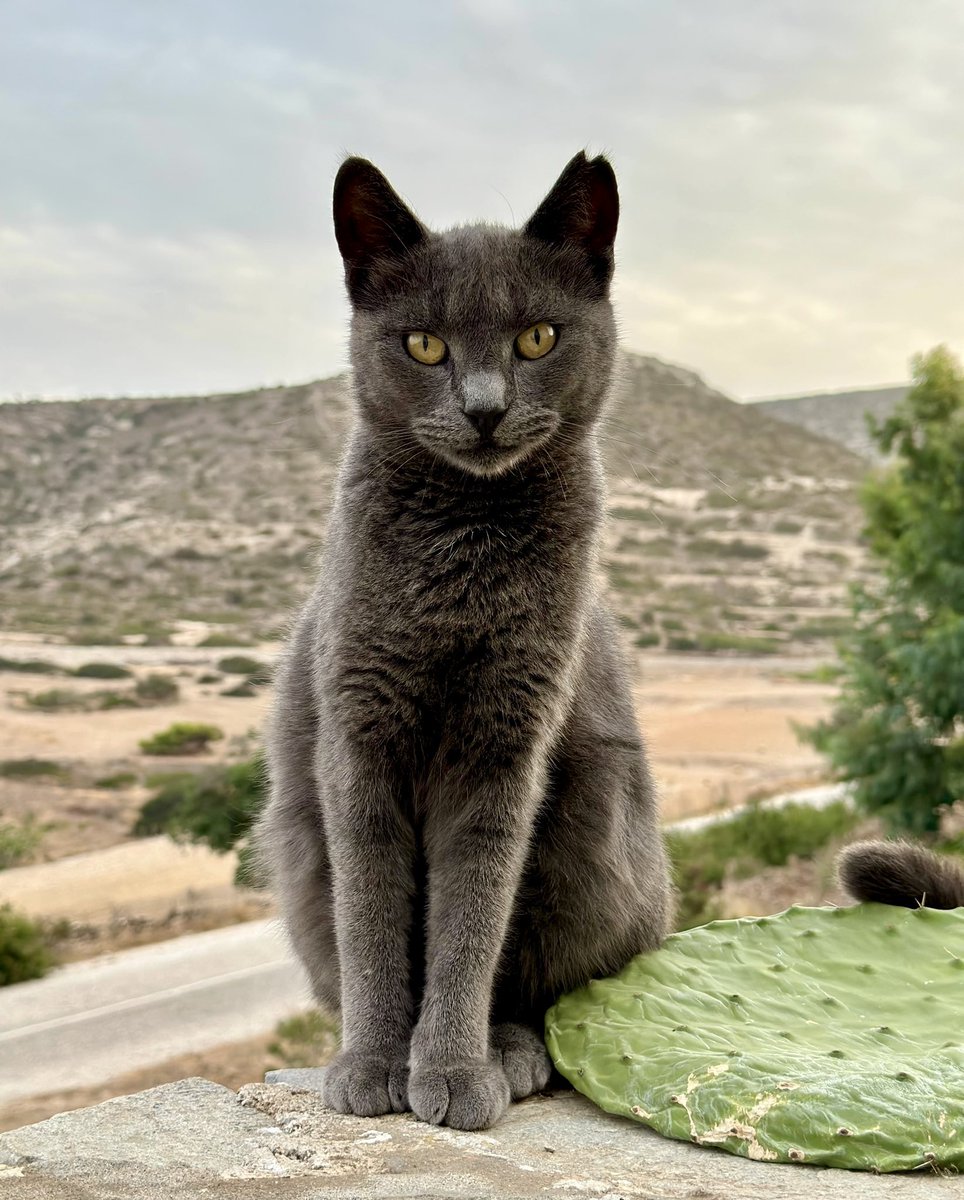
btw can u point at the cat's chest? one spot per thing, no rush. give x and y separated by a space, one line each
473 574
440 574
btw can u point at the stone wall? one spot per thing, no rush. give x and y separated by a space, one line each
197 1139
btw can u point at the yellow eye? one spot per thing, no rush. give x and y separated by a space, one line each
426 348
537 341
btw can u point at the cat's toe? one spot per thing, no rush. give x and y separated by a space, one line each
365 1084
523 1056
471 1096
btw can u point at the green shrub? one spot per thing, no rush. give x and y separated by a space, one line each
711 642
105 700
19 840
32 768
183 737
823 673
757 837
121 779
726 549
239 664
834 557
241 690
216 807
307 1040
156 689
825 627
29 666
102 670
58 700
642 640
209 677
24 949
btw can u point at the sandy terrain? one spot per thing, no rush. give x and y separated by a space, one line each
146 877
720 730
113 735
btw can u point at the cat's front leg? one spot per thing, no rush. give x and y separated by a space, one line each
372 850
476 846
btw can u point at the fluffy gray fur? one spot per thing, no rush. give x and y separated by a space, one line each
461 823
900 873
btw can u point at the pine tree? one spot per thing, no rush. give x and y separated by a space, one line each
898 729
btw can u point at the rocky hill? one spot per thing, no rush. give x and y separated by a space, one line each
839 416
124 519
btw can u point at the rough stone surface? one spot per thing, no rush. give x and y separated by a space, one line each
198 1139
305 1079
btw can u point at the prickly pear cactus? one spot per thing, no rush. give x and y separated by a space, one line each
821 1035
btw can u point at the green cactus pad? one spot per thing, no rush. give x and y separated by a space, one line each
832 1036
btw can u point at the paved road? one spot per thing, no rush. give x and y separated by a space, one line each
92 1020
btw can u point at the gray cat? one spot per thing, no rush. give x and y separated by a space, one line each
462 824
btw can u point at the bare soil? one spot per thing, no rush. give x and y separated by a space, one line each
721 730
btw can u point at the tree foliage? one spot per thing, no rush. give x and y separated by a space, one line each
898 729
216 807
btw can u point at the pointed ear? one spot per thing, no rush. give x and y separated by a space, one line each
581 210
372 222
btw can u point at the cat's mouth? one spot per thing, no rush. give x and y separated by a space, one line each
488 457
488 454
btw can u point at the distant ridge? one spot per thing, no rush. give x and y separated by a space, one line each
729 528
839 416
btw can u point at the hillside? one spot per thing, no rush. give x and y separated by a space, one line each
839 416
134 518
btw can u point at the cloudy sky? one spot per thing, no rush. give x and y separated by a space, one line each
791 173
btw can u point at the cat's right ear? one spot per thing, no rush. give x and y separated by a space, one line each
372 222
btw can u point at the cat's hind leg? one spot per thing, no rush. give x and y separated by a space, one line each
290 840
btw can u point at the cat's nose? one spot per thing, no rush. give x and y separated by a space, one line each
486 421
484 400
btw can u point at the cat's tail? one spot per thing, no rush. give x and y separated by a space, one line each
900 873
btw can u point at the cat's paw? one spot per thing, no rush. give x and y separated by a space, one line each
522 1055
366 1084
468 1096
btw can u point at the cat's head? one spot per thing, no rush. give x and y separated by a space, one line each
480 343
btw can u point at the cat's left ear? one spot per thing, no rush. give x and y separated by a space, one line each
372 222
581 210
